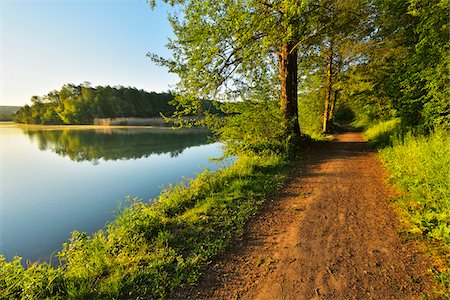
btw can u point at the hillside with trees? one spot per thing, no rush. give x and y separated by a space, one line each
80 104
7 112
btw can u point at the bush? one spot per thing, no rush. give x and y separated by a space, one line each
310 110
250 128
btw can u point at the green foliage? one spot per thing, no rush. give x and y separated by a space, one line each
250 127
343 114
153 247
408 67
382 133
328 59
38 281
81 104
429 78
310 110
420 166
222 50
231 51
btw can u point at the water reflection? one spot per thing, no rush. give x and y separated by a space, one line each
54 181
117 144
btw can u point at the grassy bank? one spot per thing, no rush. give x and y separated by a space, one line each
383 133
420 167
152 248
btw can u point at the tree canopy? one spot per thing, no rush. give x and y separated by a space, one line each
377 59
240 50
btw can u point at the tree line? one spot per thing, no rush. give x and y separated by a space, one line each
80 104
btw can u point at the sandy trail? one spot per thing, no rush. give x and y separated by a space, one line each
329 235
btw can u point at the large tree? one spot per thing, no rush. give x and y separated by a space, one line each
239 50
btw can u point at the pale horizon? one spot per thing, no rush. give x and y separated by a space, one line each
46 44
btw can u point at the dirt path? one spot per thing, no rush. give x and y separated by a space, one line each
329 235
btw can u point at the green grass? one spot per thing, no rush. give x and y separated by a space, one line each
420 167
153 248
381 134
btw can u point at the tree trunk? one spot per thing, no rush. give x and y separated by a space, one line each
326 123
332 107
288 99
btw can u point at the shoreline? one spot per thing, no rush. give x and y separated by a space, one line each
87 127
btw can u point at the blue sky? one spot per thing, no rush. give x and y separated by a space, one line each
45 44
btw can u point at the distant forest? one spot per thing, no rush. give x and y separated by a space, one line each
80 104
7 112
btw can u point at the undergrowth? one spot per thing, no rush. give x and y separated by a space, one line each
153 247
381 134
419 165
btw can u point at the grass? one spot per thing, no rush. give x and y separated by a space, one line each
382 133
419 166
153 248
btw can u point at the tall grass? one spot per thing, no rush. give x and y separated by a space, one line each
381 134
420 166
152 248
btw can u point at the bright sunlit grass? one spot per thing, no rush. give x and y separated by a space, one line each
420 165
382 133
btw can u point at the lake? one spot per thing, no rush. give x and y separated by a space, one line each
57 181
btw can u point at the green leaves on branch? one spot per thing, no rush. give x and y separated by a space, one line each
409 67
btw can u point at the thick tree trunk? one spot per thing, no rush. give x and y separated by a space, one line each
326 122
288 99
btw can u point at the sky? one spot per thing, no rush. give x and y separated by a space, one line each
46 44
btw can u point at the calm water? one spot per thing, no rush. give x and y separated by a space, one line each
57 181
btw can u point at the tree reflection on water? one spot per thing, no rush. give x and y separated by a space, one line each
117 144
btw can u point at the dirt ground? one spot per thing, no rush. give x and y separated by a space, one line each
330 234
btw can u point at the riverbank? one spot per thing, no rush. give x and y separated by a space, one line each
154 247
105 128
79 127
301 244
